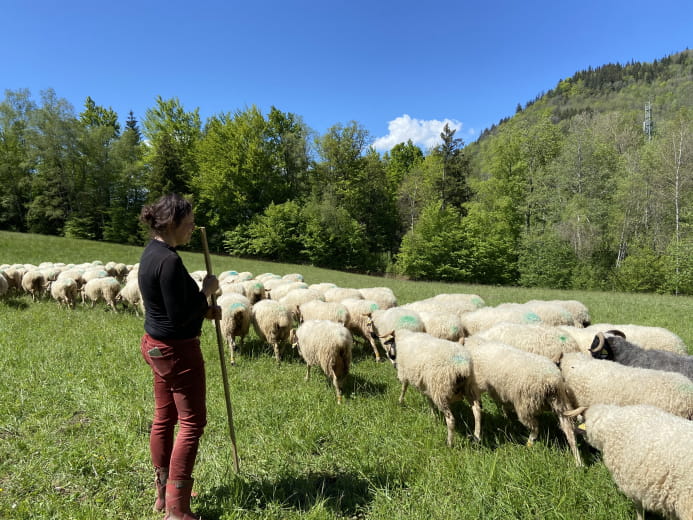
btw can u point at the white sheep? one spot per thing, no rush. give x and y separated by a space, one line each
530 383
383 296
440 369
647 337
385 321
322 287
337 294
65 291
326 344
254 290
278 292
14 274
235 320
460 303
294 298
579 311
648 453
4 284
272 323
443 325
546 340
34 283
592 381
485 317
549 313
293 277
322 310
360 322
106 289
130 295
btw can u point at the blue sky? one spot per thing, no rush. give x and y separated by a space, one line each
400 69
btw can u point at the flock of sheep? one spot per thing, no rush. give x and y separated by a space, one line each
630 386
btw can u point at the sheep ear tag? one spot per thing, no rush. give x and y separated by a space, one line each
582 427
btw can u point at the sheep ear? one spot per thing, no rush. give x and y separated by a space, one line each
597 343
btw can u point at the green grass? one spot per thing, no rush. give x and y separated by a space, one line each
76 404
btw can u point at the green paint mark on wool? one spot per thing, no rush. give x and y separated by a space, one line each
531 317
687 388
477 302
404 322
562 338
236 305
459 359
454 329
374 307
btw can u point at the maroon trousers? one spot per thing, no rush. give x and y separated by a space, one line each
179 397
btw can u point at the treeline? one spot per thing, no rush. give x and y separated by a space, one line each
566 195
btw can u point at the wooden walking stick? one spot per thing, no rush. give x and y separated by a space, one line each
220 344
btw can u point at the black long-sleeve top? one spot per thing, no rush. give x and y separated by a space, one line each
175 307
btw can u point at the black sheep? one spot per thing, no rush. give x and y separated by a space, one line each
613 346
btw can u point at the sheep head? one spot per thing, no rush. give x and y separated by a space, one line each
390 347
601 348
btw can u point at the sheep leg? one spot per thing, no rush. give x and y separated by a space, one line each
566 425
308 373
450 421
277 356
405 384
531 422
375 348
232 347
335 383
476 410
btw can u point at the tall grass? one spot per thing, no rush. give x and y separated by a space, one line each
76 404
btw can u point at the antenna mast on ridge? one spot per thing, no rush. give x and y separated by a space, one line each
647 124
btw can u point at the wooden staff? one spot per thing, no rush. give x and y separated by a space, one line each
220 344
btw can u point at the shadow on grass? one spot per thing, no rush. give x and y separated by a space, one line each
346 494
498 430
17 303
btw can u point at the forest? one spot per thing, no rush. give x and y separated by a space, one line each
587 186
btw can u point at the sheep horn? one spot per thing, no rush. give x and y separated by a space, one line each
576 412
616 333
597 343
391 333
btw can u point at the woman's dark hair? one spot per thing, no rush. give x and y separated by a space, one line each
169 209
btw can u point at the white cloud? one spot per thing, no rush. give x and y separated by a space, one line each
425 134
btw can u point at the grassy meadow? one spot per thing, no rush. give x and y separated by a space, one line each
76 405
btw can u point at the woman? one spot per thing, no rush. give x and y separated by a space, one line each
175 309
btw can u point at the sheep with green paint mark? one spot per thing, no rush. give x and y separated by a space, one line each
360 322
443 325
486 317
549 313
383 296
440 369
322 310
577 309
235 320
545 340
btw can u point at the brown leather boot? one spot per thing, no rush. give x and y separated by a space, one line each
160 481
178 500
